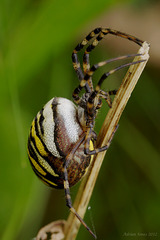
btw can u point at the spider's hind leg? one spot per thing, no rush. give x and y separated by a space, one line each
68 158
69 201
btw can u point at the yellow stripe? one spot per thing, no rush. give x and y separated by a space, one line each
76 65
47 166
92 34
83 83
86 67
36 165
95 42
97 88
44 163
46 180
91 147
38 141
89 105
84 42
40 170
90 73
66 184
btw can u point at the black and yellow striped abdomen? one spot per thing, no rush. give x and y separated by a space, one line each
54 132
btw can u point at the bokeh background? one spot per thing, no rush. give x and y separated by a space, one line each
36 41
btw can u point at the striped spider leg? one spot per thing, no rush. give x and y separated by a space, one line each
97 35
91 100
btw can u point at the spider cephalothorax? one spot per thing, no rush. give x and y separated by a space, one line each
62 140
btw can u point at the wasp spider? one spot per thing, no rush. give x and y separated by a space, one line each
62 141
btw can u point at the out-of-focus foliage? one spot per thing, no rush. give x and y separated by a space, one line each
36 41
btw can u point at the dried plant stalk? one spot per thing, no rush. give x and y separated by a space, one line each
106 132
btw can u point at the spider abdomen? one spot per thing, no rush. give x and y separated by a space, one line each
54 132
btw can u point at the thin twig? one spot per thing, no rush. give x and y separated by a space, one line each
106 132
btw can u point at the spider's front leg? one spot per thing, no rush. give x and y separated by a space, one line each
88 77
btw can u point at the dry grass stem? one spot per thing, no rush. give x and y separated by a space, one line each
107 130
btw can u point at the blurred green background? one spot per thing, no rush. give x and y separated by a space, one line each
36 42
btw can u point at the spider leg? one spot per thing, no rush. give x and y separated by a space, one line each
66 184
103 94
101 64
78 69
90 103
69 201
89 74
106 96
91 110
101 32
86 68
105 75
100 149
86 65
112 92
